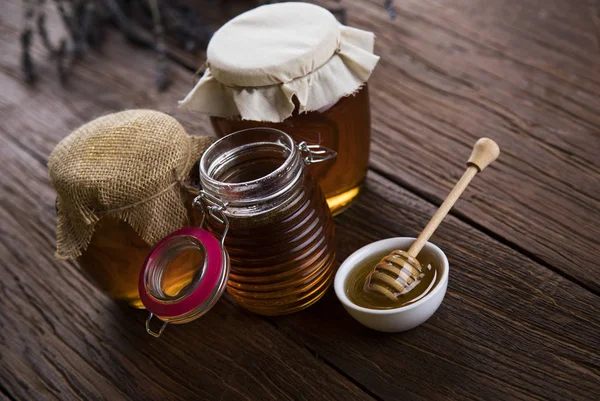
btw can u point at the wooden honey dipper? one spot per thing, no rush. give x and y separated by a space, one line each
400 271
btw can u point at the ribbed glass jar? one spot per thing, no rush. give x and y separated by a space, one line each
281 234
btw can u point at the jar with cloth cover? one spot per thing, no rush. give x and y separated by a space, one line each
294 67
267 237
123 182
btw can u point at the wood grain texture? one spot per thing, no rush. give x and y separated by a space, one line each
456 70
60 338
526 74
509 328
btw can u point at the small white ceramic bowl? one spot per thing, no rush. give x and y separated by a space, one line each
398 319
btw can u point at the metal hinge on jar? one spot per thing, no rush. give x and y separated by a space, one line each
216 209
315 153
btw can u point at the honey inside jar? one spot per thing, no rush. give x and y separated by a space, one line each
116 254
355 284
345 127
114 258
280 237
311 83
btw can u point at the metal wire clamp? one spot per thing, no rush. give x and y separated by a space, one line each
315 153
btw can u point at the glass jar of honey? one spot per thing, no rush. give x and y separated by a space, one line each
115 255
123 182
293 67
344 127
268 236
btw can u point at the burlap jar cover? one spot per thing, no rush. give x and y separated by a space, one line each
132 166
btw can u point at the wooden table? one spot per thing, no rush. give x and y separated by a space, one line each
521 317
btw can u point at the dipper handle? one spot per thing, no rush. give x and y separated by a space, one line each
484 152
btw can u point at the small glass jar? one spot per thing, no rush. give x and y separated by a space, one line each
113 260
269 232
115 256
123 181
344 127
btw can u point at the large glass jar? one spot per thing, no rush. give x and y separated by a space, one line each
276 233
292 66
344 127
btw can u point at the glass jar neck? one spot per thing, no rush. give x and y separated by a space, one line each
251 170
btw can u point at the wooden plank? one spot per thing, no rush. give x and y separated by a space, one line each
118 77
454 72
63 339
60 338
507 329
526 73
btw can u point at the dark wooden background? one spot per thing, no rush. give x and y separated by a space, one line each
521 317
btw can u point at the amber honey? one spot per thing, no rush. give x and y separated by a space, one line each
281 236
282 261
359 294
115 256
345 127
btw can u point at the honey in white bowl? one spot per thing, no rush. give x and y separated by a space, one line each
358 293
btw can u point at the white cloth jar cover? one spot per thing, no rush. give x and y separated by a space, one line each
259 61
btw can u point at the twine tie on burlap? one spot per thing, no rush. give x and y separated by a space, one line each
133 166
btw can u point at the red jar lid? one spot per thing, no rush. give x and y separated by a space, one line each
203 291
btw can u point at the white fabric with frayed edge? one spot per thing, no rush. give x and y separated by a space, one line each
259 61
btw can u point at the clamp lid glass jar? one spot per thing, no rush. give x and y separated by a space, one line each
293 67
268 232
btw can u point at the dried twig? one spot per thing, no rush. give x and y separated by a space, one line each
83 22
162 79
26 35
389 6
85 15
41 26
61 61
